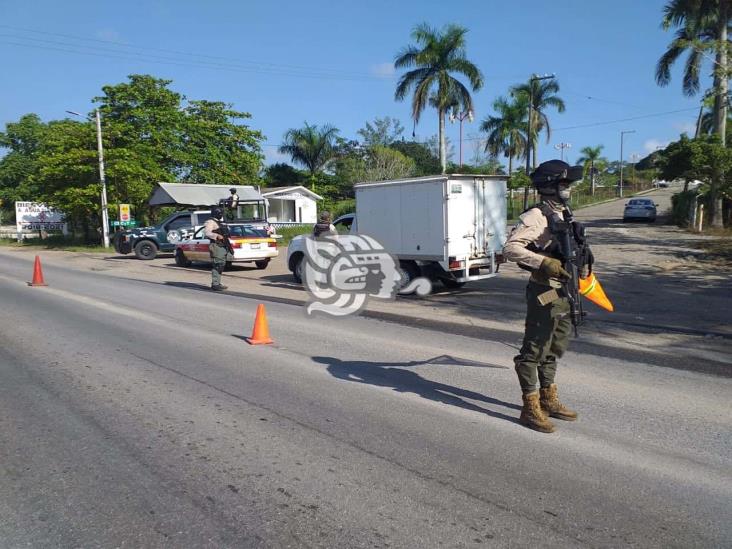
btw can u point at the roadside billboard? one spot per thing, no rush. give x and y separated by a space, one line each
36 216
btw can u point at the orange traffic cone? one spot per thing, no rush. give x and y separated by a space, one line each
591 289
37 274
260 334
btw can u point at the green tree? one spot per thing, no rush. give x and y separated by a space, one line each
217 149
310 146
425 162
590 157
19 166
385 163
507 129
436 57
384 131
282 174
543 94
702 26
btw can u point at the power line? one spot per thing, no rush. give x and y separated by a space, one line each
116 53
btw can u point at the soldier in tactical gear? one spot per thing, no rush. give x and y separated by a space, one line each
217 246
534 245
324 226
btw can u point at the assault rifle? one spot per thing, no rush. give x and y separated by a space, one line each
223 230
576 256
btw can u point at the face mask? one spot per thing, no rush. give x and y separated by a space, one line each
564 194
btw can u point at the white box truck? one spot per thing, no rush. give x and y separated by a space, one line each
446 227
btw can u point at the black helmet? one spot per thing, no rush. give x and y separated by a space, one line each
551 172
217 213
232 190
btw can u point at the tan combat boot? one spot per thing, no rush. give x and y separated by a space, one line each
532 415
552 406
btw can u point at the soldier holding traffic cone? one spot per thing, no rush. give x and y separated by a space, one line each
548 242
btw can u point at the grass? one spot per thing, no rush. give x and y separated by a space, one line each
288 233
54 243
718 249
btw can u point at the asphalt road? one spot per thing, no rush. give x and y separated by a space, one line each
133 414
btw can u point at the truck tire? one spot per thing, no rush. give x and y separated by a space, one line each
262 264
296 267
411 271
146 249
180 259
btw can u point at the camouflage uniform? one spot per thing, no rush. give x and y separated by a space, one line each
217 252
548 327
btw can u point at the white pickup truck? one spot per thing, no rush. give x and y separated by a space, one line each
447 227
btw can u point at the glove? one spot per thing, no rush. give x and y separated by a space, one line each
552 268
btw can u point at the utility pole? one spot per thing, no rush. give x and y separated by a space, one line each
102 180
561 147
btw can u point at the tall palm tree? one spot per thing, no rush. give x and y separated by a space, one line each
543 94
703 25
590 157
436 56
506 130
310 146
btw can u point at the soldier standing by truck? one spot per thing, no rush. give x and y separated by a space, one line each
219 246
537 244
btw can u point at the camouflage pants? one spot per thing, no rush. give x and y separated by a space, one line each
218 262
546 337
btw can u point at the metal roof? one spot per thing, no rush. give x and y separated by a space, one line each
191 194
271 192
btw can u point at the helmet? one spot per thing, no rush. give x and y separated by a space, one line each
324 217
551 172
232 190
217 213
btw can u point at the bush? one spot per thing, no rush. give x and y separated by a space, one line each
681 204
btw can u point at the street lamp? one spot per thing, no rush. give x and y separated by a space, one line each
561 147
534 78
455 115
105 213
620 183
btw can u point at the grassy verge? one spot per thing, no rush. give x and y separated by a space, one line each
288 233
54 244
718 249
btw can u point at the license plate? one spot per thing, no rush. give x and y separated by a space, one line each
254 246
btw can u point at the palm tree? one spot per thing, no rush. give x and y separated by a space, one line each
310 146
590 157
438 54
543 95
702 26
506 130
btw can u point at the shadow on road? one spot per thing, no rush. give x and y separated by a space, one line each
393 375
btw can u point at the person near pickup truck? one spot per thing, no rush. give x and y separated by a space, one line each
216 248
324 226
533 246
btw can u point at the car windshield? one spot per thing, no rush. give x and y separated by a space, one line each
246 231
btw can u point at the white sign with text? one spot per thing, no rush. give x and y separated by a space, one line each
36 216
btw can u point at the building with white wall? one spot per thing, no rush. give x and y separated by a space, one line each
291 205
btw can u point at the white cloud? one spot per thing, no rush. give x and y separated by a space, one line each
383 70
653 144
108 34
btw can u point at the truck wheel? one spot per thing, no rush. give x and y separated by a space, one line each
411 271
180 259
262 264
296 267
146 250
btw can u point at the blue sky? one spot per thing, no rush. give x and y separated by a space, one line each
331 62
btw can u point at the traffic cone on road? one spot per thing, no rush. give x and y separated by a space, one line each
260 334
591 289
37 274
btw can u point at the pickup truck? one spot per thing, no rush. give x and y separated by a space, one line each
147 242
